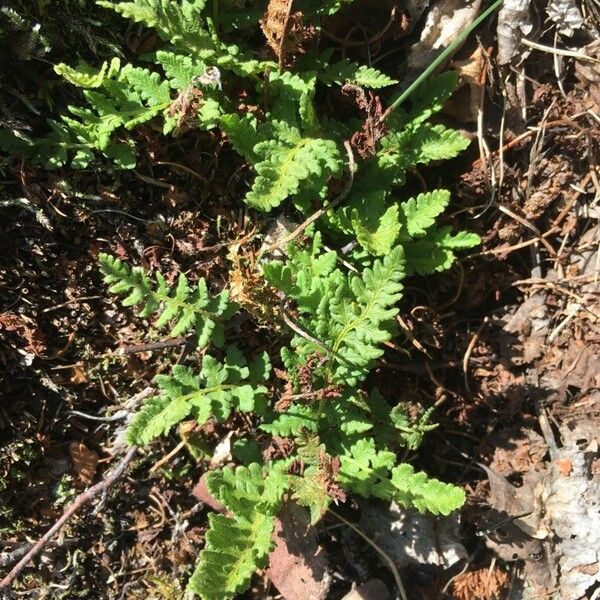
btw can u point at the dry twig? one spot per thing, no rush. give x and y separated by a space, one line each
81 500
378 549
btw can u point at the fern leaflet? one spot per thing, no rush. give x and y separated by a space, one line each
214 392
237 545
183 307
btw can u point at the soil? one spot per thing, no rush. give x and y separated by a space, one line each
505 344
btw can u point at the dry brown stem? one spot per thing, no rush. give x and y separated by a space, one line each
81 500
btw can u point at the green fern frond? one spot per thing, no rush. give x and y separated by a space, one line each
296 418
371 472
415 489
148 87
362 316
347 71
419 214
214 392
379 238
349 315
418 144
435 251
177 22
85 76
179 69
239 544
364 467
289 165
412 429
184 308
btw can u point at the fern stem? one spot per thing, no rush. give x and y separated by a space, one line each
458 41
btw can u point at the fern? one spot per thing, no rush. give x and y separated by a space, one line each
183 308
436 251
349 315
419 214
213 393
338 311
238 544
289 157
86 76
177 22
370 472
289 165
347 71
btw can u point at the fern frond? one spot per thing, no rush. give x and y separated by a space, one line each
351 315
435 251
149 88
362 316
364 467
377 239
179 69
418 144
347 71
419 214
214 392
178 22
239 544
371 472
415 489
289 165
85 76
296 418
242 133
184 308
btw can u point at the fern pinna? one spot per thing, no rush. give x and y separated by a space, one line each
337 309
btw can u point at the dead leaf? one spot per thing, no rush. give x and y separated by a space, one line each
78 375
364 142
472 72
85 461
285 30
588 73
445 21
521 505
483 584
298 566
514 23
566 15
201 493
26 329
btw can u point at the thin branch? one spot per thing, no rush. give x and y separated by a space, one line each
378 549
136 348
81 500
559 51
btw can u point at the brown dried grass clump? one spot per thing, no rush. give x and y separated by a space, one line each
285 30
481 585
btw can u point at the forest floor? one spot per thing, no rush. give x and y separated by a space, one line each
505 344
